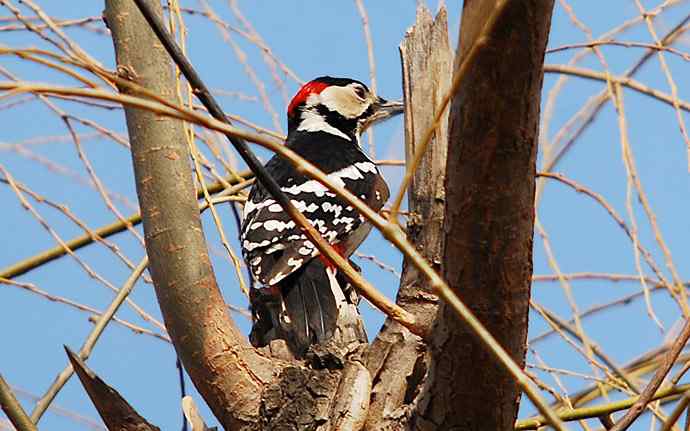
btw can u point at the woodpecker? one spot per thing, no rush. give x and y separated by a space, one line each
298 292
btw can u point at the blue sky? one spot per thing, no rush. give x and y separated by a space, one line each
315 38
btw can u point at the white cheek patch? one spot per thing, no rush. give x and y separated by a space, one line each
343 101
337 99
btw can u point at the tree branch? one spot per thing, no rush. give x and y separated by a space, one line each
596 411
623 80
226 370
648 393
397 359
85 351
76 243
116 412
13 409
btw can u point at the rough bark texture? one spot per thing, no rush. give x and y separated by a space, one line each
398 359
489 217
214 353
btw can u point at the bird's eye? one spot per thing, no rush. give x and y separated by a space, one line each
360 92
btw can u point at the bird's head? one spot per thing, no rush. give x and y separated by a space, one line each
340 106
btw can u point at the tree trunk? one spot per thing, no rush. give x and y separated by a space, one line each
213 351
489 216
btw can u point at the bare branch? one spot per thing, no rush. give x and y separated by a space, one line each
648 394
13 409
676 413
90 341
598 410
361 9
625 81
397 359
75 244
115 411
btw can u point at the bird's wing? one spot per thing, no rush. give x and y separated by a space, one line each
274 246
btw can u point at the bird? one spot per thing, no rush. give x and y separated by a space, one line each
298 293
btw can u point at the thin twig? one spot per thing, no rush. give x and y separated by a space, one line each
622 80
628 44
256 38
597 410
75 244
669 78
90 271
638 248
13 409
578 330
372 65
248 69
648 393
95 314
90 341
593 347
677 411
589 112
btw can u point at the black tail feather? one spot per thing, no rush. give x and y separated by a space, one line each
305 312
310 305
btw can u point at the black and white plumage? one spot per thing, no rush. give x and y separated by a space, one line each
299 292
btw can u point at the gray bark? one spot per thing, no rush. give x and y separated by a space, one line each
398 359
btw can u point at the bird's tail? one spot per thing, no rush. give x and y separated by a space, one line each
307 309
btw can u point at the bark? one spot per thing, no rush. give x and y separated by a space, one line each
115 411
398 359
489 217
225 369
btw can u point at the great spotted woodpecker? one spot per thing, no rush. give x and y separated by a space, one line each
299 292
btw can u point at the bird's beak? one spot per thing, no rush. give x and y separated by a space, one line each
382 110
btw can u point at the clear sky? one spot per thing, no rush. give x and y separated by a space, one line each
325 37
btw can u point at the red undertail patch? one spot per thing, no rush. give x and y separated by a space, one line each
339 248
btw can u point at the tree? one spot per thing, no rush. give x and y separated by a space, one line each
468 249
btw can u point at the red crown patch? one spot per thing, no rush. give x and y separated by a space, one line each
312 87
